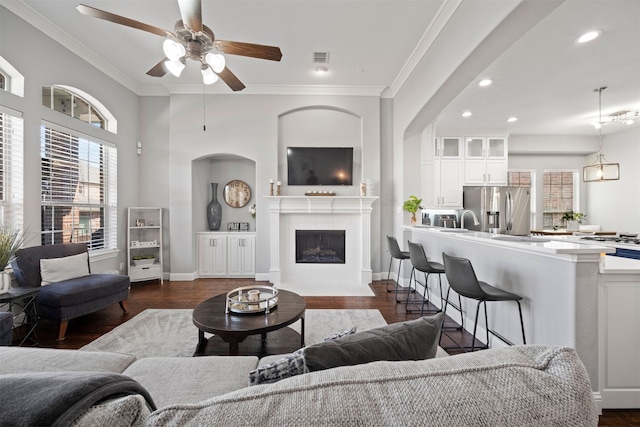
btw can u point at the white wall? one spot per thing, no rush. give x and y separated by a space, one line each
615 204
44 62
247 126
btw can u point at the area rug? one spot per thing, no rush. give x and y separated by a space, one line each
161 332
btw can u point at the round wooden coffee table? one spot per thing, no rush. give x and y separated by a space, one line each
233 328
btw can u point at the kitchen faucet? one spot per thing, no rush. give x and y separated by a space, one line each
475 218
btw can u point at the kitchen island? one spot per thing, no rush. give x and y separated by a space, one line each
558 282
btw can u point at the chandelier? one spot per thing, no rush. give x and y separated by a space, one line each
601 169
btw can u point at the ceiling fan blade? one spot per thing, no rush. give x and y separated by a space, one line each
108 16
231 80
252 50
159 69
191 12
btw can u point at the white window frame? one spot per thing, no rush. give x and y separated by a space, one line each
108 185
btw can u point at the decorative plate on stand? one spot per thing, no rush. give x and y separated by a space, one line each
251 299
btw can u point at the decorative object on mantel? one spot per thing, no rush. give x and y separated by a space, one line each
370 187
11 239
214 209
271 187
601 169
247 300
319 193
279 188
252 211
411 205
363 188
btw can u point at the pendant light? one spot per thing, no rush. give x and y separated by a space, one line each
601 169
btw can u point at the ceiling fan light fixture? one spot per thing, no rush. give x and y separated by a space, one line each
175 67
173 50
208 76
216 60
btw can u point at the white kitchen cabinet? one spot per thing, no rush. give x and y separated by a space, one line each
226 254
441 172
241 255
485 161
144 244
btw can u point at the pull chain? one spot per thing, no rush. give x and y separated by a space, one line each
204 108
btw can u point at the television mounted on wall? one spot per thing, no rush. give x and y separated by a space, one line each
320 165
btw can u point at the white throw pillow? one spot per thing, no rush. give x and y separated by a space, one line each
54 270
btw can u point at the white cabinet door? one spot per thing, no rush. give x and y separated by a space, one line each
249 255
451 183
212 255
496 172
241 258
474 172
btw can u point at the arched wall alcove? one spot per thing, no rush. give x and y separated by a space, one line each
221 169
320 126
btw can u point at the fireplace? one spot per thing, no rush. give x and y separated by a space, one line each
320 246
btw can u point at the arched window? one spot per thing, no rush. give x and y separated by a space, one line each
71 104
78 186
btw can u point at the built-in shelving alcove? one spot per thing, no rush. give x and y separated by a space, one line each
221 168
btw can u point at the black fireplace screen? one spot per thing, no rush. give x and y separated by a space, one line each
320 246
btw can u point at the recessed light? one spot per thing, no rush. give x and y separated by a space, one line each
467 114
587 37
512 119
322 70
485 82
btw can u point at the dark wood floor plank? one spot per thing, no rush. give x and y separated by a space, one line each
185 295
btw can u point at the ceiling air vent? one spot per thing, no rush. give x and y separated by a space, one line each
320 57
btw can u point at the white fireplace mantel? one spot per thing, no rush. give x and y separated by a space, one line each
350 213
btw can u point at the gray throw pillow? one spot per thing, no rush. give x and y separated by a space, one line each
290 365
410 340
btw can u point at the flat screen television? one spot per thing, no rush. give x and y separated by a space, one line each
320 165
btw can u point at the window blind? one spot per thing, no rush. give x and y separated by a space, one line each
78 189
11 167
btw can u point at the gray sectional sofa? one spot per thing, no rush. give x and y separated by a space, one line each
522 385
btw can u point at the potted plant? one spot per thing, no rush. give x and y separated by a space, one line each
11 239
144 259
572 219
411 205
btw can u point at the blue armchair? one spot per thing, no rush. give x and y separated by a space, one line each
67 299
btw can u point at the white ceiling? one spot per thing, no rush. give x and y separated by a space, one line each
545 79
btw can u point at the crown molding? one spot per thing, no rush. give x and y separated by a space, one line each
442 17
325 90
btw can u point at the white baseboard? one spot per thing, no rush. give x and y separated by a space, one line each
183 277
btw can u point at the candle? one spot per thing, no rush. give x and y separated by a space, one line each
278 183
270 181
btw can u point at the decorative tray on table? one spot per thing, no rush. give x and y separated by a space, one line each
251 299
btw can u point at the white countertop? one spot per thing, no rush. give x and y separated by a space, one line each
535 244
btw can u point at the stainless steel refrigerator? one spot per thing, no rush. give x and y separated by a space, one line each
503 210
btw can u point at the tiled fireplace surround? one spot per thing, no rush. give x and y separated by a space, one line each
290 213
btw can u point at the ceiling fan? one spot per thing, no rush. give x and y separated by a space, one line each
191 39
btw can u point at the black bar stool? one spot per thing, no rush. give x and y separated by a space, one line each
420 262
396 253
462 279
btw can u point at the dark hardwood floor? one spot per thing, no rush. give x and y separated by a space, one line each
145 295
